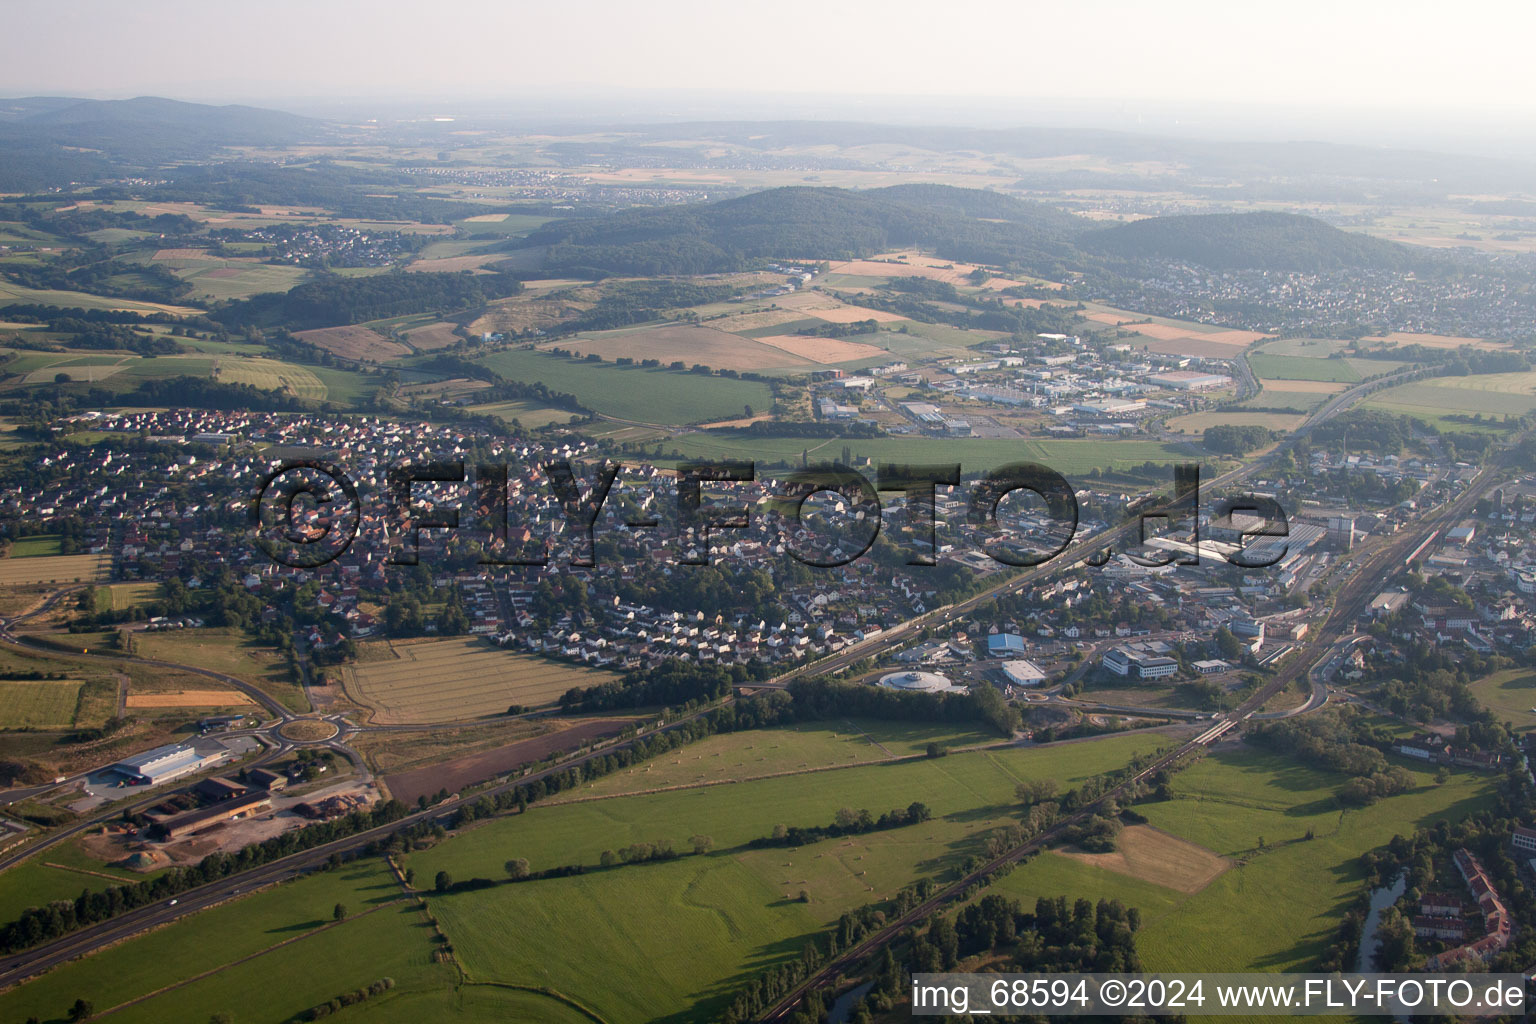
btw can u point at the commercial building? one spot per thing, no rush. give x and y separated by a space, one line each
1002 644
1189 380
1134 660
162 764
1019 672
919 682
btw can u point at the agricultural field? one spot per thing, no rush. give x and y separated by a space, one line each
1311 348
431 337
217 279
975 454
1254 809
1326 349
271 375
117 597
1155 856
36 546
502 225
221 650
631 393
58 875
732 910
187 699
720 350
1434 341
12 293
1511 695
217 958
737 757
532 415
1195 423
1496 394
38 704
1302 368
53 569
1169 336
344 387
456 680
359 343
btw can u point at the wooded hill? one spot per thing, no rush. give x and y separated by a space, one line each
1249 241
962 224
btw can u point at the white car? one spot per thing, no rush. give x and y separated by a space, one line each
173 903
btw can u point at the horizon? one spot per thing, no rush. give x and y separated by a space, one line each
1203 70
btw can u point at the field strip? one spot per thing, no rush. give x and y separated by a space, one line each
539 990
245 959
893 759
87 871
867 736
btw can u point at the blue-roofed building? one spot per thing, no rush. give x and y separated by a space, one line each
1003 645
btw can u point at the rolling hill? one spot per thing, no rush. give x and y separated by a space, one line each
810 223
1248 241
48 138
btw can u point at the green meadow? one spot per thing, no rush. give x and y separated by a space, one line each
632 393
1279 906
732 911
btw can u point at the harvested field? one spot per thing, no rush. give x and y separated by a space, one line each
1434 340
96 370
53 569
354 343
454 264
486 218
753 321
1305 387
913 265
1159 857
1197 422
1193 345
431 337
823 350
459 680
1170 332
840 314
462 771
270 375
740 421
188 699
690 344
521 313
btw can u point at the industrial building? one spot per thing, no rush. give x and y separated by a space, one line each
162 764
1189 380
224 810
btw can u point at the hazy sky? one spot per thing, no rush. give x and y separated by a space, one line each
1473 55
